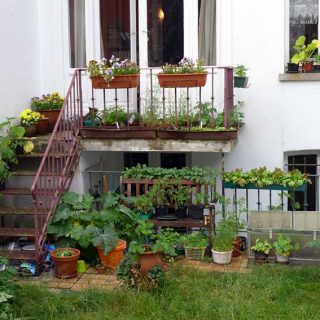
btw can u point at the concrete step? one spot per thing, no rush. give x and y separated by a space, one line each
18 254
4 211
17 232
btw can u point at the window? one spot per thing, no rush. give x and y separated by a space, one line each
304 16
207 31
173 160
131 159
77 34
115 28
305 164
165 32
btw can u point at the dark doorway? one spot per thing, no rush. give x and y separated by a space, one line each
173 160
131 159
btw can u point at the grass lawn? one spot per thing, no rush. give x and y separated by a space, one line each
268 292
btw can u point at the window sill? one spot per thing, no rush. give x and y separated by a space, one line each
289 77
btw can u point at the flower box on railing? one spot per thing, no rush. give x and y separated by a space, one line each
182 80
197 135
118 82
230 185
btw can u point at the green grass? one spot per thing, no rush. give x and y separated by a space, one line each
269 292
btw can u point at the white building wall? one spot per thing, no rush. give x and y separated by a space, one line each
19 55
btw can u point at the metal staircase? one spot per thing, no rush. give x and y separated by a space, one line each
26 211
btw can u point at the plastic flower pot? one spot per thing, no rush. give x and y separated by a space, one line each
182 80
240 82
282 259
181 212
221 257
236 248
30 131
261 257
292 67
307 66
100 268
161 211
121 81
81 266
113 258
42 125
65 266
196 212
149 259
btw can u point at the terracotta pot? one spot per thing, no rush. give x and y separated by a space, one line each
148 260
113 258
42 126
182 80
53 117
65 267
100 268
236 248
122 81
30 131
307 66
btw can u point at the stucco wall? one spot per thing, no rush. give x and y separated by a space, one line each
19 55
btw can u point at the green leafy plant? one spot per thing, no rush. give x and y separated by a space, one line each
195 240
225 234
200 199
262 246
112 116
179 195
65 253
186 65
240 71
303 51
143 203
283 245
51 101
111 68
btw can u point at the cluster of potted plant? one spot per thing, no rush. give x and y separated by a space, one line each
49 106
113 73
263 178
303 55
10 140
282 247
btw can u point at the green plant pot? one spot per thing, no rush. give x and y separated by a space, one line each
240 82
146 216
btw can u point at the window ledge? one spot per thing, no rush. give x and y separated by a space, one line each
288 77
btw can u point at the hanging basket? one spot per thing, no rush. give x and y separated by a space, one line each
182 80
119 82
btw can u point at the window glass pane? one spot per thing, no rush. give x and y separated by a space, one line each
207 31
173 160
304 16
77 30
165 32
115 28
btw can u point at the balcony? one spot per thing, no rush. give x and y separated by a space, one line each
153 118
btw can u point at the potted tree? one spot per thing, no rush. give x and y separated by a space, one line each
187 74
65 262
240 79
304 53
261 250
283 248
195 244
48 105
223 238
113 73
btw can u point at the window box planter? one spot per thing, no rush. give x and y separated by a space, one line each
240 82
197 135
123 133
182 80
119 82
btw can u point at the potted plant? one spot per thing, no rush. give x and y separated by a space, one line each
195 211
316 65
261 250
114 117
223 238
240 79
65 262
29 120
48 105
195 244
159 197
180 197
100 268
113 73
42 125
283 248
144 206
187 74
304 52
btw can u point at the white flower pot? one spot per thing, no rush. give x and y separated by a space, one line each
221 257
282 259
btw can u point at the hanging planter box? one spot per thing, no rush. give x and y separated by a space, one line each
230 185
182 80
125 133
197 135
119 82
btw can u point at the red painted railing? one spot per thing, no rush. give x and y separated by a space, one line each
59 162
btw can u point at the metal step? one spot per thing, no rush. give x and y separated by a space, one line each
18 254
14 211
16 191
16 232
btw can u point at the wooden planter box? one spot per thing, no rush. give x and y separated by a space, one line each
182 80
119 82
123 133
197 135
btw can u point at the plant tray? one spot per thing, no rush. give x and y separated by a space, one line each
196 253
229 185
197 135
185 80
119 82
125 133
